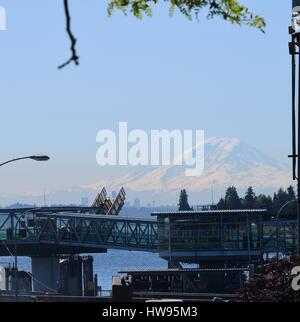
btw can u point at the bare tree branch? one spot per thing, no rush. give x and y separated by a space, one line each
74 57
230 10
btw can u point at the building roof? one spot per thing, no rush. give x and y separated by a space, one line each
209 212
181 270
93 216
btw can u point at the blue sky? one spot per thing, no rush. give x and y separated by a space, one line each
157 73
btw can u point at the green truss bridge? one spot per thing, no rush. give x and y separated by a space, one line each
209 238
190 236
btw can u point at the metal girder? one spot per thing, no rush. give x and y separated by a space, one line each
102 232
287 236
87 230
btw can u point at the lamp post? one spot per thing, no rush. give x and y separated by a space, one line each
277 218
16 258
294 50
32 157
15 250
35 158
170 247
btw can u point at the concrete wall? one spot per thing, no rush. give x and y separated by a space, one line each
2 278
45 271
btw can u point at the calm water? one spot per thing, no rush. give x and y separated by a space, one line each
108 264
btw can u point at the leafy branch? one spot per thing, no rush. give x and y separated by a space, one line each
229 10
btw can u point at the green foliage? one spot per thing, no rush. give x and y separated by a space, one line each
291 193
262 201
230 10
221 205
272 283
250 199
183 204
281 198
232 199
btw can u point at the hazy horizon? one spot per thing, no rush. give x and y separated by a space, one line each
158 73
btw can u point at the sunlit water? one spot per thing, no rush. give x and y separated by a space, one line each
107 264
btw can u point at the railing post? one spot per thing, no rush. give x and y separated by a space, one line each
248 239
221 232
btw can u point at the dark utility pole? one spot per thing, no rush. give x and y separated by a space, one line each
294 46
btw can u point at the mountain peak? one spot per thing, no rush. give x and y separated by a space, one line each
228 161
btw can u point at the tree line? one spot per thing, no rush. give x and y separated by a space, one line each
282 201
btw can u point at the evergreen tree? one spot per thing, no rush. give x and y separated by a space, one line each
280 199
291 193
250 199
232 199
291 209
262 201
183 201
221 204
265 202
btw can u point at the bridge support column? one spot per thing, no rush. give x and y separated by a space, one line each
45 272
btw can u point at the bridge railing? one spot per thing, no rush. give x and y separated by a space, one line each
232 236
286 230
78 229
99 231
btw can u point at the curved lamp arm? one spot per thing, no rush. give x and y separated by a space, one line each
286 204
32 157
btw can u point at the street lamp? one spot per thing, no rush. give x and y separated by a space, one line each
16 258
15 251
293 45
277 218
35 158
32 157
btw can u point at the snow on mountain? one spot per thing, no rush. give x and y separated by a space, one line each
228 161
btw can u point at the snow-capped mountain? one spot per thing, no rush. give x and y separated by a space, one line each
228 161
